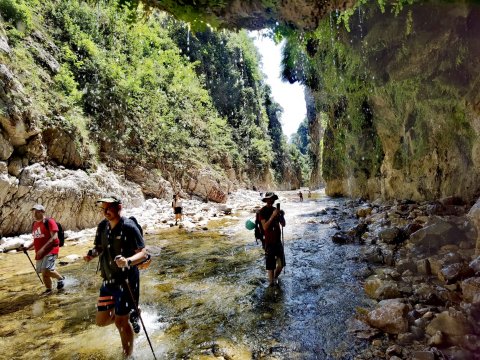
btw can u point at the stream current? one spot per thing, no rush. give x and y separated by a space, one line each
205 296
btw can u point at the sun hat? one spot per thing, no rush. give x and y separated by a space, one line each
269 195
112 199
38 207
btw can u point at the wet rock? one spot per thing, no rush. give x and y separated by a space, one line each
405 338
411 228
437 339
456 352
403 265
423 267
471 342
471 289
341 238
390 317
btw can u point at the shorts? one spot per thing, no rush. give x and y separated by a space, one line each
177 210
272 253
47 263
117 296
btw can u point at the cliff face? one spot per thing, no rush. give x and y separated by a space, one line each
402 96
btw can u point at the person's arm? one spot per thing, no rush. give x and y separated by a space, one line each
267 223
140 255
97 247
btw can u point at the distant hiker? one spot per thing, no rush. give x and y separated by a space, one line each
177 208
46 244
309 194
120 245
300 195
271 219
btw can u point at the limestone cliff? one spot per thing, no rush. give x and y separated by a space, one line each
402 97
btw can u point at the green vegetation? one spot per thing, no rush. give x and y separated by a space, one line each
136 86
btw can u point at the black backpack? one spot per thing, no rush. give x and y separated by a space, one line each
259 234
60 234
137 224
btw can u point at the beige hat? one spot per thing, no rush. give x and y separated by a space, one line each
38 207
270 195
112 199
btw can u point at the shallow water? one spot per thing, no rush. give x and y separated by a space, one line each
204 297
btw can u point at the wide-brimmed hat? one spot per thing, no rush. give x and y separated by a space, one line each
269 196
38 207
111 199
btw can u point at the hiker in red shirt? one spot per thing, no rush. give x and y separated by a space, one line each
46 244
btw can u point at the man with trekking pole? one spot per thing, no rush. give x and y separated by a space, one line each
273 221
120 246
47 247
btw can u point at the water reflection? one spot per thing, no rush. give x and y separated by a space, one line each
204 296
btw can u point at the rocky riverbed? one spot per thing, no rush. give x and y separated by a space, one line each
424 274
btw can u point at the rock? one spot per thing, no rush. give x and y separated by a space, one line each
471 289
437 339
363 211
452 323
423 355
361 329
341 238
405 338
390 317
455 272
391 236
471 342
475 265
411 228
393 350
474 215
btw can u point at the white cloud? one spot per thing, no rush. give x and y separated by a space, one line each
289 96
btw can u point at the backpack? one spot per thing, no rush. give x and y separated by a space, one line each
145 263
60 233
137 224
259 234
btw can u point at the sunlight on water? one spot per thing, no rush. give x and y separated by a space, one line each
204 296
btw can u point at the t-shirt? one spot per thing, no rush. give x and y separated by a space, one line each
177 203
124 239
273 234
41 235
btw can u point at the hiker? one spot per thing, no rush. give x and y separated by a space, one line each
120 246
271 219
177 208
309 194
47 247
300 195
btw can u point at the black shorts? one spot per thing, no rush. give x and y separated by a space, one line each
272 253
177 210
117 296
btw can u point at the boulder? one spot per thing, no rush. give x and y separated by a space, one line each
390 317
471 289
452 323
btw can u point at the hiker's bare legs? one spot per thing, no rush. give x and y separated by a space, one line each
270 277
108 317
126 333
47 276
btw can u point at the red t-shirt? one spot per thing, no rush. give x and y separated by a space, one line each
41 236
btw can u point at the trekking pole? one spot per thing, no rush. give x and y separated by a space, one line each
140 316
28 256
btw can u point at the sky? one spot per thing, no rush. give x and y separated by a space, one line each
289 96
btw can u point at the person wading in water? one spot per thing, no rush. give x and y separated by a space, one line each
46 243
271 219
120 246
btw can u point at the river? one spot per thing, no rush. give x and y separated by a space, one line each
204 297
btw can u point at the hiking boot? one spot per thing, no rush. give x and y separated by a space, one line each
60 283
134 321
47 292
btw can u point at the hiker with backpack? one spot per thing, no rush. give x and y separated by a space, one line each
119 244
47 246
273 221
177 208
